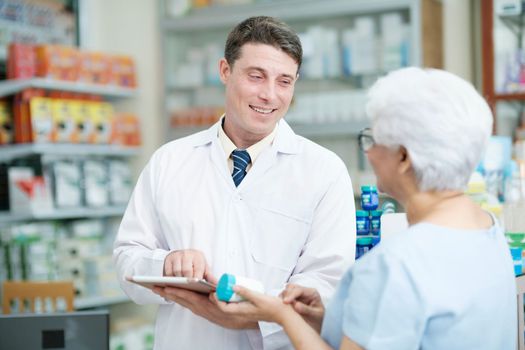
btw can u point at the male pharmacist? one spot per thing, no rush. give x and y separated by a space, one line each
247 197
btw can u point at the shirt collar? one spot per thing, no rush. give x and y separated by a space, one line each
254 150
286 141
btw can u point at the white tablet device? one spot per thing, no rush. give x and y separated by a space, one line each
194 284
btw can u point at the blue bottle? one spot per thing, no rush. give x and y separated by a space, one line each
375 222
362 222
369 198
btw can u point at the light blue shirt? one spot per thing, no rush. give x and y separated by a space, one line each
429 287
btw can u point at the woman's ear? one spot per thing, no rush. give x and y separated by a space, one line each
405 164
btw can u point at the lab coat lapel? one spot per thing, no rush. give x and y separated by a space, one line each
285 142
210 139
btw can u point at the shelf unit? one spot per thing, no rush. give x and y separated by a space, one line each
488 59
93 302
310 130
62 214
9 153
10 87
211 25
214 17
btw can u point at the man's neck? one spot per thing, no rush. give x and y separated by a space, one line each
241 141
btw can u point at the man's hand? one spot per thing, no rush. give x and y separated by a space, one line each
307 302
188 263
206 307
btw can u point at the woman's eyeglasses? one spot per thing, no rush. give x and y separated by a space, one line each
365 139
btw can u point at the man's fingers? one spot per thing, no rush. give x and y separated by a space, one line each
199 267
187 265
168 267
209 276
177 266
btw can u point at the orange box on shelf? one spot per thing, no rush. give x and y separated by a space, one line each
24 130
123 71
57 62
64 126
126 130
95 68
20 61
101 114
6 123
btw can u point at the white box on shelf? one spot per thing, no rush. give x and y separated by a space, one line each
28 193
120 182
95 183
67 179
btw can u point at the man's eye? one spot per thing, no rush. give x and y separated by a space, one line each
255 76
286 82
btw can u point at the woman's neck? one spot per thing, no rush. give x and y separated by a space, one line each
420 205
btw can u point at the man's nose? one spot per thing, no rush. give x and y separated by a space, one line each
267 91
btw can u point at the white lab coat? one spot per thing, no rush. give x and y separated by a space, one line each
292 219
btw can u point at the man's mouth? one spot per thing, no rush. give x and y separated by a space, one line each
263 110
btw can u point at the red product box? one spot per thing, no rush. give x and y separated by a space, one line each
21 61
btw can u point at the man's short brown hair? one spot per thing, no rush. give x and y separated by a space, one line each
263 30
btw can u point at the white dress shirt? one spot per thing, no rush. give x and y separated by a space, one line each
254 150
292 219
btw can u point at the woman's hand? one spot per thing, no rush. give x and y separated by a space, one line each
260 307
307 302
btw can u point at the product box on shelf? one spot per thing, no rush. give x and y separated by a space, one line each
64 123
57 62
41 115
6 123
126 130
25 129
95 68
84 125
120 182
28 193
96 183
21 61
66 183
123 71
101 114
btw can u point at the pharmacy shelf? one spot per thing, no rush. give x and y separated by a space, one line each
330 129
9 152
306 130
91 302
10 87
302 85
227 16
60 214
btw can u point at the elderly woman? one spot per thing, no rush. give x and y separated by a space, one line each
447 282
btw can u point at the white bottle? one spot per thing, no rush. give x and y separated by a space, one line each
227 281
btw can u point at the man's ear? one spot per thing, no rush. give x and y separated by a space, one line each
224 70
405 163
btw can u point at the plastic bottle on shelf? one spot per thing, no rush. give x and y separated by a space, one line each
362 221
369 198
375 222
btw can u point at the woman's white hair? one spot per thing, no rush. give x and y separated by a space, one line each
438 117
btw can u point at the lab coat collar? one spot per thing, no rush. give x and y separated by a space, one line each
285 139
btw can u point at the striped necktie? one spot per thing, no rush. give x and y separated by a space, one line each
241 159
